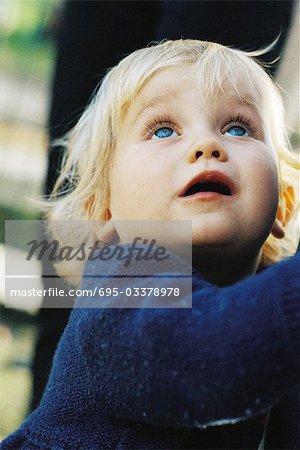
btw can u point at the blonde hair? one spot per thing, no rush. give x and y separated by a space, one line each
82 190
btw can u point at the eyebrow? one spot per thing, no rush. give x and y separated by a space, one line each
246 100
152 104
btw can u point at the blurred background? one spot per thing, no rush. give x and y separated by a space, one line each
27 53
28 30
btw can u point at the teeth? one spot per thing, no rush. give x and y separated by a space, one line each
208 186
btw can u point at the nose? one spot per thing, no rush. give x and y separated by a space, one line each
208 149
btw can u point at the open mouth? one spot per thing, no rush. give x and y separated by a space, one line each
208 186
209 182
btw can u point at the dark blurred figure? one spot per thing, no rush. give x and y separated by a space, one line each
94 35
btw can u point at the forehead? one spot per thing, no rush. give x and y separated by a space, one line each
167 84
185 82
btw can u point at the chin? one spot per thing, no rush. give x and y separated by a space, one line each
210 235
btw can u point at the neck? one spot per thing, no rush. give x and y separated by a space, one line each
222 270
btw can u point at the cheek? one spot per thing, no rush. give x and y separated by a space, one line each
263 189
139 189
124 186
265 178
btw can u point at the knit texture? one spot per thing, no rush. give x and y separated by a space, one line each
158 378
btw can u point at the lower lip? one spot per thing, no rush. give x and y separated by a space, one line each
206 196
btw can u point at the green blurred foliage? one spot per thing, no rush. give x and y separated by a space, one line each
17 334
13 213
27 36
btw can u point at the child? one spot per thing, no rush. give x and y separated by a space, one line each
184 130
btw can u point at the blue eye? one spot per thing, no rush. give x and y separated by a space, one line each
163 133
236 131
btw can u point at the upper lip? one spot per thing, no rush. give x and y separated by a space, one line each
211 176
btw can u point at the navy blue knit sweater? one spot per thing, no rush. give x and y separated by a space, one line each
169 378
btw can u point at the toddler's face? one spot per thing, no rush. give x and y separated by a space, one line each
177 158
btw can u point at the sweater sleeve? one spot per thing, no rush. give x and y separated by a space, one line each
232 355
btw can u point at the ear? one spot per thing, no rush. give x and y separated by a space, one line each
278 230
90 206
284 212
107 214
108 233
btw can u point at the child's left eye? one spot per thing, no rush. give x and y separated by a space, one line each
163 133
236 131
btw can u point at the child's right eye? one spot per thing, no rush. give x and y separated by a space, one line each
161 127
163 133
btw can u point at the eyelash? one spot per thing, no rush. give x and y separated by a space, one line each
157 122
240 120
